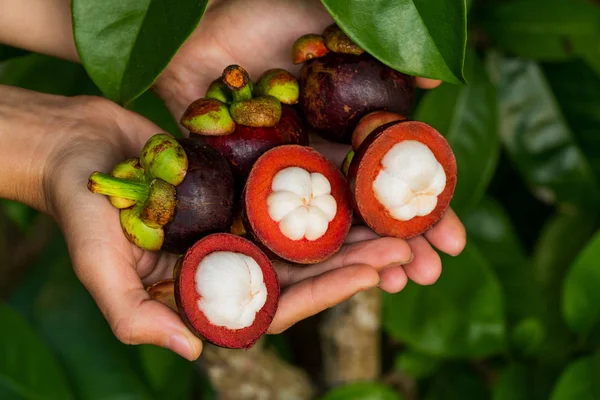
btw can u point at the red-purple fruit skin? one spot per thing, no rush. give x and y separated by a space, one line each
243 147
336 90
205 198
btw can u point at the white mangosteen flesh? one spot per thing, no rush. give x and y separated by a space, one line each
410 180
231 288
302 203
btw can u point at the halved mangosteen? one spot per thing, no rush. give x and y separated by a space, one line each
402 178
226 290
297 204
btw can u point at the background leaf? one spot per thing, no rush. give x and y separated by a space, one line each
28 370
462 315
456 381
543 29
539 140
125 44
363 391
169 375
418 37
467 116
514 383
581 295
579 380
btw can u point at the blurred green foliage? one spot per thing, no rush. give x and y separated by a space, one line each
515 316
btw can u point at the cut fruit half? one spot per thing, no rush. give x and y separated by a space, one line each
402 178
227 290
297 204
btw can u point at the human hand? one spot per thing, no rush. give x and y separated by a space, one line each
74 137
259 37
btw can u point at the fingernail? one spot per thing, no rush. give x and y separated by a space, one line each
180 345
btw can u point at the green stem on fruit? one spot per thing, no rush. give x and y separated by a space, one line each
238 81
125 188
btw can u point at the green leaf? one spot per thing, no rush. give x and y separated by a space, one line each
576 87
561 239
416 365
490 228
21 215
169 375
125 44
67 318
561 31
46 74
363 391
152 107
527 336
462 315
579 380
8 52
28 369
539 140
467 116
418 37
514 383
456 382
580 291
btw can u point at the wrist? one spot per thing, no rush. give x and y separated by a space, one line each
25 143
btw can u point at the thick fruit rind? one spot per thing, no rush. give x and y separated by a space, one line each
266 231
187 297
366 165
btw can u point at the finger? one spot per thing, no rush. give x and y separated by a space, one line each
132 315
393 279
318 293
359 234
426 83
426 267
449 235
377 253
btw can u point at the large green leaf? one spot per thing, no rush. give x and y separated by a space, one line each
467 116
514 383
67 318
456 381
462 315
490 228
538 138
125 44
543 29
577 89
419 37
581 296
152 107
561 239
7 52
45 74
363 391
28 370
169 375
579 380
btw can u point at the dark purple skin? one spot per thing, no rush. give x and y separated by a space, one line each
243 147
205 198
336 90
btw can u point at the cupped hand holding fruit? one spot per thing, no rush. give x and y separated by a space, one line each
269 28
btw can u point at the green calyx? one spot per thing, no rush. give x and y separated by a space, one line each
337 41
163 157
137 187
346 163
208 117
264 111
237 81
218 90
280 84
